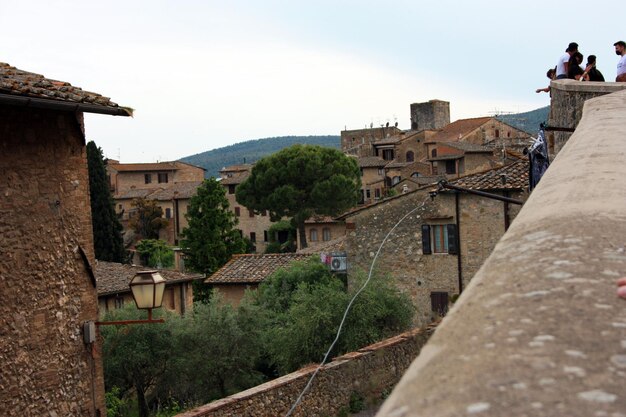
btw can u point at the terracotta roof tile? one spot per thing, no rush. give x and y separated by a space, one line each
371 162
235 179
468 147
155 166
113 278
515 177
455 130
235 168
252 268
334 245
177 190
397 164
134 193
16 82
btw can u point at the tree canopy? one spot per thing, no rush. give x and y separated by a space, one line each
301 181
147 220
107 230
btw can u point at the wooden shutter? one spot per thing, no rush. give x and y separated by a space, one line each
426 249
439 302
453 241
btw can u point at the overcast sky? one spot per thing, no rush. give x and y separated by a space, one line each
206 74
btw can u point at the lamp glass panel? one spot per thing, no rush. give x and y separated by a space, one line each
159 289
144 295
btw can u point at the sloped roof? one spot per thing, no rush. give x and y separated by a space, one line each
23 88
320 219
113 278
236 168
468 147
446 157
371 162
392 140
397 164
137 167
459 128
186 189
235 179
134 193
513 176
252 268
334 245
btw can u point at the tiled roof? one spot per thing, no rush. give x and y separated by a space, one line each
334 245
178 190
320 219
515 177
468 147
371 162
453 131
113 278
446 157
235 179
235 168
134 193
61 95
155 166
252 268
397 164
387 141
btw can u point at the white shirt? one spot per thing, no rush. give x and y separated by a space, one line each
560 65
621 65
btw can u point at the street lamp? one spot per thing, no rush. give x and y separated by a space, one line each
147 288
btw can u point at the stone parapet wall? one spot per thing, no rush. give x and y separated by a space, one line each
371 372
566 107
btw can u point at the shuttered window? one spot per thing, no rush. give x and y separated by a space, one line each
439 302
439 238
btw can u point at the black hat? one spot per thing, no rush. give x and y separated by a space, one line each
573 46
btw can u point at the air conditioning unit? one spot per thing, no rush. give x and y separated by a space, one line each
338 262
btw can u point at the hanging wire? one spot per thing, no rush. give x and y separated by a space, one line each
345 314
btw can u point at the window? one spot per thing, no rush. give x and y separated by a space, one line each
451 167
439 238
163 177
147 178
410 156
388 154
415 175
265 236
396 180
237 211
326 234
377 193
253 237
250 213
433 153
119 302
168 213
497 133
313 235
368 195
439 302
381 172
231 188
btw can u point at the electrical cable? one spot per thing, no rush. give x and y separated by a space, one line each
345 314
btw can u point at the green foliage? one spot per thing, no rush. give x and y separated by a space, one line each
147 218
116 406
300 181
357 402
282 227
107 230
155 253
252 150
210 239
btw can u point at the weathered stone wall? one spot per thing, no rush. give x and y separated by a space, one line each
247 223
434 114
370 372
566 106
358 142
45 291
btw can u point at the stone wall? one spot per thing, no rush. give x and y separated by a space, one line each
566 106
370 372
45 291
434 114
358 142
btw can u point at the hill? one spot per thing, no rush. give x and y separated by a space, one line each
529 121
252 150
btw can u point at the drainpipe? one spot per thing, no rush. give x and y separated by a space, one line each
458 242
507 217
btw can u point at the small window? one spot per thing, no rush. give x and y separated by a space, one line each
439 238
497 133
253 237
326 234
147 178
377 193
250 213
396 180
381 172
433 153
410 156
313 235
450 167
237 211
119 302
231 188
265 236
439 302
368 194
388 154
168 213
120 207
163 177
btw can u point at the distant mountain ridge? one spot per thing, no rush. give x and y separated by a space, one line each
251 151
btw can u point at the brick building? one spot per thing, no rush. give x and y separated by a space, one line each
47 287
435 252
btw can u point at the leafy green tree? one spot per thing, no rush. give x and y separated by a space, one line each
210 239
155 253
301 181
136 357
147 219
107 230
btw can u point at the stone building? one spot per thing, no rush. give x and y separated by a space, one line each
320 230
150 176
47 286
114 292
246 271
436 250
453 159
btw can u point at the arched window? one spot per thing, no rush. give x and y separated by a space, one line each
313 235
415 175
396 180
410 156
433 153
326 234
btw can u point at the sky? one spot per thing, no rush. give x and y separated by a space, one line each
206 74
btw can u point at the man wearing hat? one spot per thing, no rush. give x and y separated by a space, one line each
562 65
620 49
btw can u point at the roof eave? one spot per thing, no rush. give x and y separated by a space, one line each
41 103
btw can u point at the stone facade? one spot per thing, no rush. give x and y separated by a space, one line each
150 176
432 115
321 231
359 142
46 292
370 372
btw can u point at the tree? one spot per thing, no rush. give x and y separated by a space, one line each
155 253
147 219
301 181
107 230
210 239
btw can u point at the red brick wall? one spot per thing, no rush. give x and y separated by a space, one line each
45 291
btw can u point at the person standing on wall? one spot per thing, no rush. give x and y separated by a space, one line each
591 70
620 49
562 64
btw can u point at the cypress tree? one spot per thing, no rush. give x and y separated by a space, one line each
107 229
